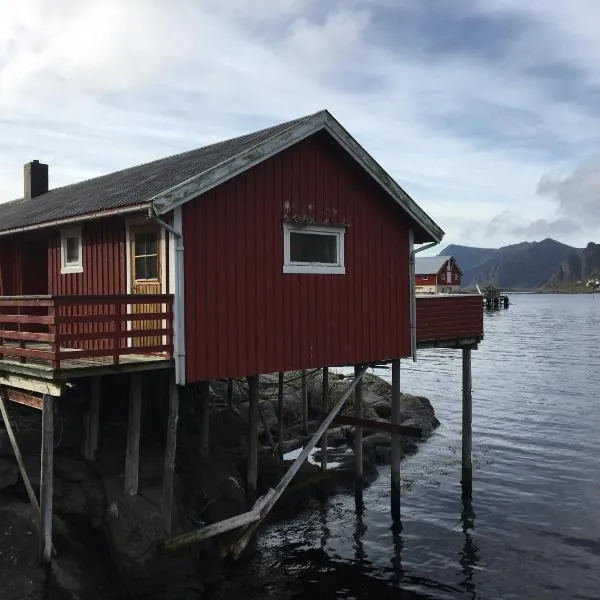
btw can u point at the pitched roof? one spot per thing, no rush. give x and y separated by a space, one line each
430 265
169 182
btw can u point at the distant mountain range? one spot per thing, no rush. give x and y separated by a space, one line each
527 266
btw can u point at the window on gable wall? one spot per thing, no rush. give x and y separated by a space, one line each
71 250
313 249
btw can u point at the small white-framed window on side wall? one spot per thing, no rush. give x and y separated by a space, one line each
313 249
71 251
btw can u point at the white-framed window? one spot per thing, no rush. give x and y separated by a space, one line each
71 251
313 249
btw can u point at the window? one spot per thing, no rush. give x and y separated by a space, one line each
313 249
71 251
145 256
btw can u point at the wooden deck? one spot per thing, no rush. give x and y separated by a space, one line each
59 337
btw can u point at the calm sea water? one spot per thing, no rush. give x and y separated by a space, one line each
532 529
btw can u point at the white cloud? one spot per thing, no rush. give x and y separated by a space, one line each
96 86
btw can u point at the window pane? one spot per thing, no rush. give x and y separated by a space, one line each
140 268
72 247
145 243
152 267
313 248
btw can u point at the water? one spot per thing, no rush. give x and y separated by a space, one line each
532 529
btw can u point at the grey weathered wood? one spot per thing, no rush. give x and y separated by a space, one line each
132 452
270 439
230 393
170 452
19 457
358 432
325 407
47 478
467 416
262 506
93 420
280 413
252 468
395 441
204 398
238 548
304 387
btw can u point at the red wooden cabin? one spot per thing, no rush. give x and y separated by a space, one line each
288 248
437 275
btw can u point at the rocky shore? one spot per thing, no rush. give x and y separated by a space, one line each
106 543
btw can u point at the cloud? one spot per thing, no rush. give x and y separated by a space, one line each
467 106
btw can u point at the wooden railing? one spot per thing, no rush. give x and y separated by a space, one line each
449 317
52 329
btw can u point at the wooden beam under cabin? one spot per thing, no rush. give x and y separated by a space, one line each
170 452
47 478
132 451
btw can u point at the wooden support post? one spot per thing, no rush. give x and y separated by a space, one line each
170 451
325 407
270 439
467 416
395 442
132 452
280 414
252 472
47 478
304 403
358 438
230 393
93 420
204 392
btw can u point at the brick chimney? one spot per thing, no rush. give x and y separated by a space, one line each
35 179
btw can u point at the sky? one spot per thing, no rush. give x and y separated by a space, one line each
487 112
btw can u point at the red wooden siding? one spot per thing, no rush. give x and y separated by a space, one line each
425 279
104 273
449 317
245 316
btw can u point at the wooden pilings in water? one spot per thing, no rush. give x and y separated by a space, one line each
395 442
92 420
467 417
325 407
204 420
252 467
132 452
358 435
280 414
304 402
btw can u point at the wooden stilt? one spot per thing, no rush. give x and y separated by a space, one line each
93 420
132 452
204 393
252 473
395 441
358 432
304 403
47 478
325 402
170 452
230 393
280 414
467 416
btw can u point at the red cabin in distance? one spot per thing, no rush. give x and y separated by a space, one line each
288 248
437 275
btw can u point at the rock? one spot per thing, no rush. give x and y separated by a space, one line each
70 499
71 469
22 575
9 472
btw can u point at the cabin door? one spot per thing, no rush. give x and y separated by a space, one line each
147 264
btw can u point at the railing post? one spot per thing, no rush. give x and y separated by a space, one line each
117 333
170 325
53 331
20 330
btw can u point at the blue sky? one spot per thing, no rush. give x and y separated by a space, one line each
485 111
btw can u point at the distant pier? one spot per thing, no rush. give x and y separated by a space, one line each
493 299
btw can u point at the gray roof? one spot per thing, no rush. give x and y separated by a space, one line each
169 182
430 265
129 187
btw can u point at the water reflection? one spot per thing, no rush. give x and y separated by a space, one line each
469 557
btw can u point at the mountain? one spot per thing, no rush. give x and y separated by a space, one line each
527 265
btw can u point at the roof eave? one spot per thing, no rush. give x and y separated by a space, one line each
203 182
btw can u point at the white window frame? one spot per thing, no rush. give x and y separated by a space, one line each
66 268
310 267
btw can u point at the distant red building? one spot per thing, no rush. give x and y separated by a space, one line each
437 275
